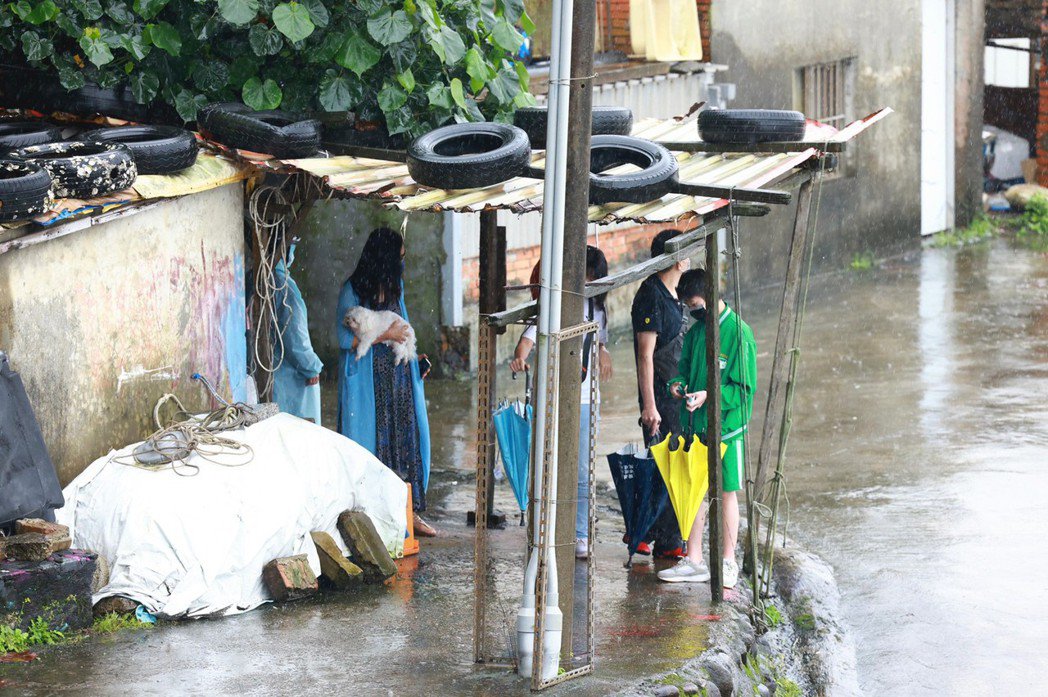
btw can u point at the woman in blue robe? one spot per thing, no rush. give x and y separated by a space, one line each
381 405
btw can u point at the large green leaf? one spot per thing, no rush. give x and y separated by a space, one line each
187 104
264 41
165 37
42 13
326 50
440 96
391 98
357 54
401 120
318 12
527 24
261 95
388 27
238 11
477 68
447 44
136 45
293 21
210 75
335 94
144 86
120 13
36 47
506 37
148 9
403 55
457 93
407 80
69 25
243 68
95 48
512 10
88 9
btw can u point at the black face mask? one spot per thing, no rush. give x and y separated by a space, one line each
699 314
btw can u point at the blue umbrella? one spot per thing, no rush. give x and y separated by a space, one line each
513 431
642 495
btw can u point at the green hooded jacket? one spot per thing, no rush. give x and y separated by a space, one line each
738 374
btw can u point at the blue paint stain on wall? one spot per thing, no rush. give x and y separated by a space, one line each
234 333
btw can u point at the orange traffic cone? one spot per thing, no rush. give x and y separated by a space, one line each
410 543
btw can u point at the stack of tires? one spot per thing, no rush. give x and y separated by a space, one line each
477 155
37 166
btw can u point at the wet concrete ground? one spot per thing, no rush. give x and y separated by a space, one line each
917 468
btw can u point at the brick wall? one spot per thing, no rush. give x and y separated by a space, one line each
620 25
621 247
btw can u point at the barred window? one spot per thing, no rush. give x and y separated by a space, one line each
825 92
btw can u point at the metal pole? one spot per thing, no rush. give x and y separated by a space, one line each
573 281
780 366
713 416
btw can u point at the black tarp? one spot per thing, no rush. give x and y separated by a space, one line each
28 483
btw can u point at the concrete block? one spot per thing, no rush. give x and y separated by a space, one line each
290 578
333 565
100 579
57 589
365 546
32 546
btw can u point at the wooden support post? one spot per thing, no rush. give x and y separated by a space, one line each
713 416
492 300
780 366
573 281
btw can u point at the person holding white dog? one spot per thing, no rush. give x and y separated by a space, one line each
381 404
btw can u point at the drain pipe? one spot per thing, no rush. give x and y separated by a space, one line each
548 322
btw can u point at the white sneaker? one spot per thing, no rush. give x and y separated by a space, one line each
582 548
685 572
730 573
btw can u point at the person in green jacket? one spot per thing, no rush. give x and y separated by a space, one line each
738 364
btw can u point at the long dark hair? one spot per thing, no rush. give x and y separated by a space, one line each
378 273
597 267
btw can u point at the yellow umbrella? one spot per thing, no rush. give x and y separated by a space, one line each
686 474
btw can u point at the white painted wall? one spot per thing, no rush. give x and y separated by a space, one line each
938 74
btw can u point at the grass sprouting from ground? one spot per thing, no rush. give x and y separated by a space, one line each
772 616
981 228
14 640
114 622
862 262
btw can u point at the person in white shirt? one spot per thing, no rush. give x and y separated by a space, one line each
594 311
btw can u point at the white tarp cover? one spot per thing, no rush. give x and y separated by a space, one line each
194 546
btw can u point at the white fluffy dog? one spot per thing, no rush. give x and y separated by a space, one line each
368 325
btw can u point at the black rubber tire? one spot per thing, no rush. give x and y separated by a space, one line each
25 190
468 155
22 134
345 136
750 126
83 170
277 133
156 149
28 88
607 120
656 178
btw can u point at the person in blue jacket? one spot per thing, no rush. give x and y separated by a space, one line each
296 382
381 405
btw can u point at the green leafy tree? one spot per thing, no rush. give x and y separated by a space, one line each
414 64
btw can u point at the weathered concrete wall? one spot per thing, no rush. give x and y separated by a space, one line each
103 322
763 43
332 238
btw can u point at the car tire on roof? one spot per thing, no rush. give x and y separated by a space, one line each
25 190
607 120
656 178
468 155
156 149
750 126
83 170
21 134
274 132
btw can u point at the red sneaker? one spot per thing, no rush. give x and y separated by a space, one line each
675 553
644 549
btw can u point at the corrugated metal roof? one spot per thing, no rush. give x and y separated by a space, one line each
389 182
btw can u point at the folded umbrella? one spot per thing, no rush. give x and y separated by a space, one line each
685 472
642 495
513 432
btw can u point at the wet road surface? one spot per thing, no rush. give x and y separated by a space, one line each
917 468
